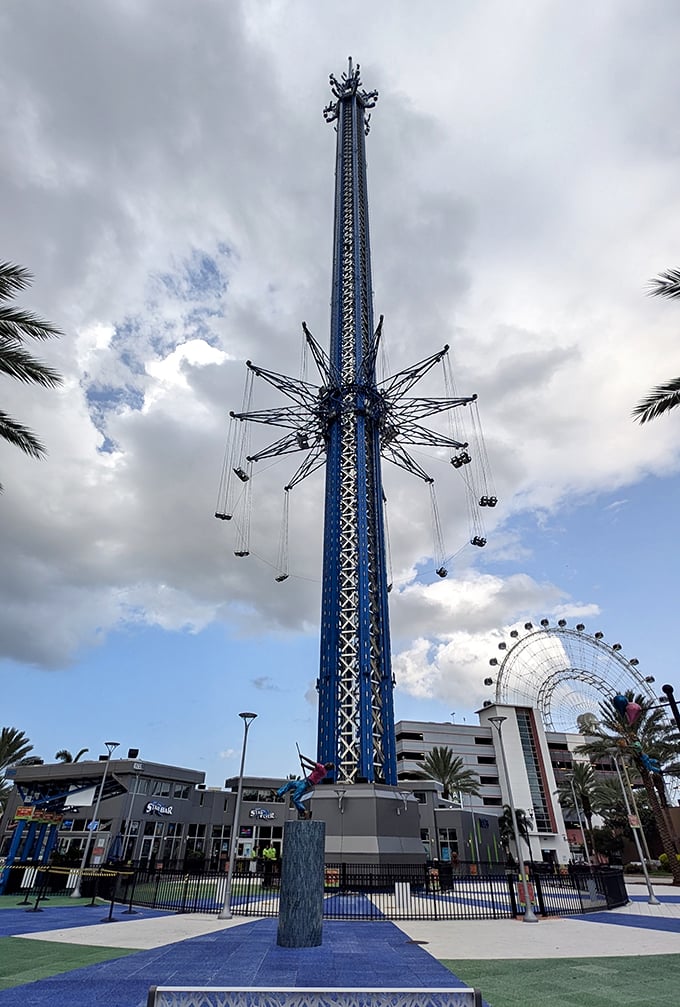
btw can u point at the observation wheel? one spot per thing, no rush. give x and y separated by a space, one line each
565 673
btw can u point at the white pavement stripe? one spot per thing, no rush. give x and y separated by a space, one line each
141 935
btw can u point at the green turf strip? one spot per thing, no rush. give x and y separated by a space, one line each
650 981
24 961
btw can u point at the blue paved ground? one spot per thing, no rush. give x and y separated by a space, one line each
667 923
352 954
14 922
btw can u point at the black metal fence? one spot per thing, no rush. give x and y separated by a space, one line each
392 892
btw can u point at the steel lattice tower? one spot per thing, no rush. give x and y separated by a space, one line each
350 421
356 718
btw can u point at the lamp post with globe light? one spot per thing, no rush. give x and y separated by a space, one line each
529 914
94 823
225 912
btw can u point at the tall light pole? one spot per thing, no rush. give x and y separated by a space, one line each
225 912
529 914
668 689
128 820
94 823
475 844
652 900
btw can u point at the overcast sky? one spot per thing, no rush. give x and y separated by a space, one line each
167 177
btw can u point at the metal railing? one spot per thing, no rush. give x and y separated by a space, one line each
375 892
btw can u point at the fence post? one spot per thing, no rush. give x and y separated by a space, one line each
510 877
39 895
130 911
539 893
185 889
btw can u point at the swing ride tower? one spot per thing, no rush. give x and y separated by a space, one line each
351 421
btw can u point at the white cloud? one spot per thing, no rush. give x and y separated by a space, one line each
177 216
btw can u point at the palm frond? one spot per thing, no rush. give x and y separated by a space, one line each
14 746
20 436
15 323
12 279
666 284
21 365
658 401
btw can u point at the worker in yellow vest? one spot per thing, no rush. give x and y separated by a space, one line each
269 860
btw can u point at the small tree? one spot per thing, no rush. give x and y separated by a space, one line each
506 829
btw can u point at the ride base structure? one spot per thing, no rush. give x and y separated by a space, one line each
351 421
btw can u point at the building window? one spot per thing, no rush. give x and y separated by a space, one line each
492 802
181 791
483 741
533 770
420 796
491 781
448 844
410 736
486 760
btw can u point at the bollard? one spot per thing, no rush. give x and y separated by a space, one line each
302 878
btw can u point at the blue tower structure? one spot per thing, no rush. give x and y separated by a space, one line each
351 421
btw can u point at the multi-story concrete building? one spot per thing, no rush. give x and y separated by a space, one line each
535 760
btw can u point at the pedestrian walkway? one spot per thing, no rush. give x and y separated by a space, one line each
167 949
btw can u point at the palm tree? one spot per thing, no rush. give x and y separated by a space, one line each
16 326
448 769
14 746
506 828
667 396
585 784
63 755
650 737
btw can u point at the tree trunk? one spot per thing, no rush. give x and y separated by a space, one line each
661 824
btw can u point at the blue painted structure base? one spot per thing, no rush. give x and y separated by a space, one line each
302 879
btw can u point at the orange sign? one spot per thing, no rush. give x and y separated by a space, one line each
27 813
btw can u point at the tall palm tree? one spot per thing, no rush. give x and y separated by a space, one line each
649 736
16 327
448 769
14 746
63 755
667 396
585 784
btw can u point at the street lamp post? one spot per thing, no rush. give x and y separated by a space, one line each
225 912
111 746
529 914
475 844
668 689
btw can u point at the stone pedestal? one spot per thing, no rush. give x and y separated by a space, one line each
302 879
369 823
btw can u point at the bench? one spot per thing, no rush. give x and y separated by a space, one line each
301 996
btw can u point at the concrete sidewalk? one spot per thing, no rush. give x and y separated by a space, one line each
202 950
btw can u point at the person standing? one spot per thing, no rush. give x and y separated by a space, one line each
269 861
